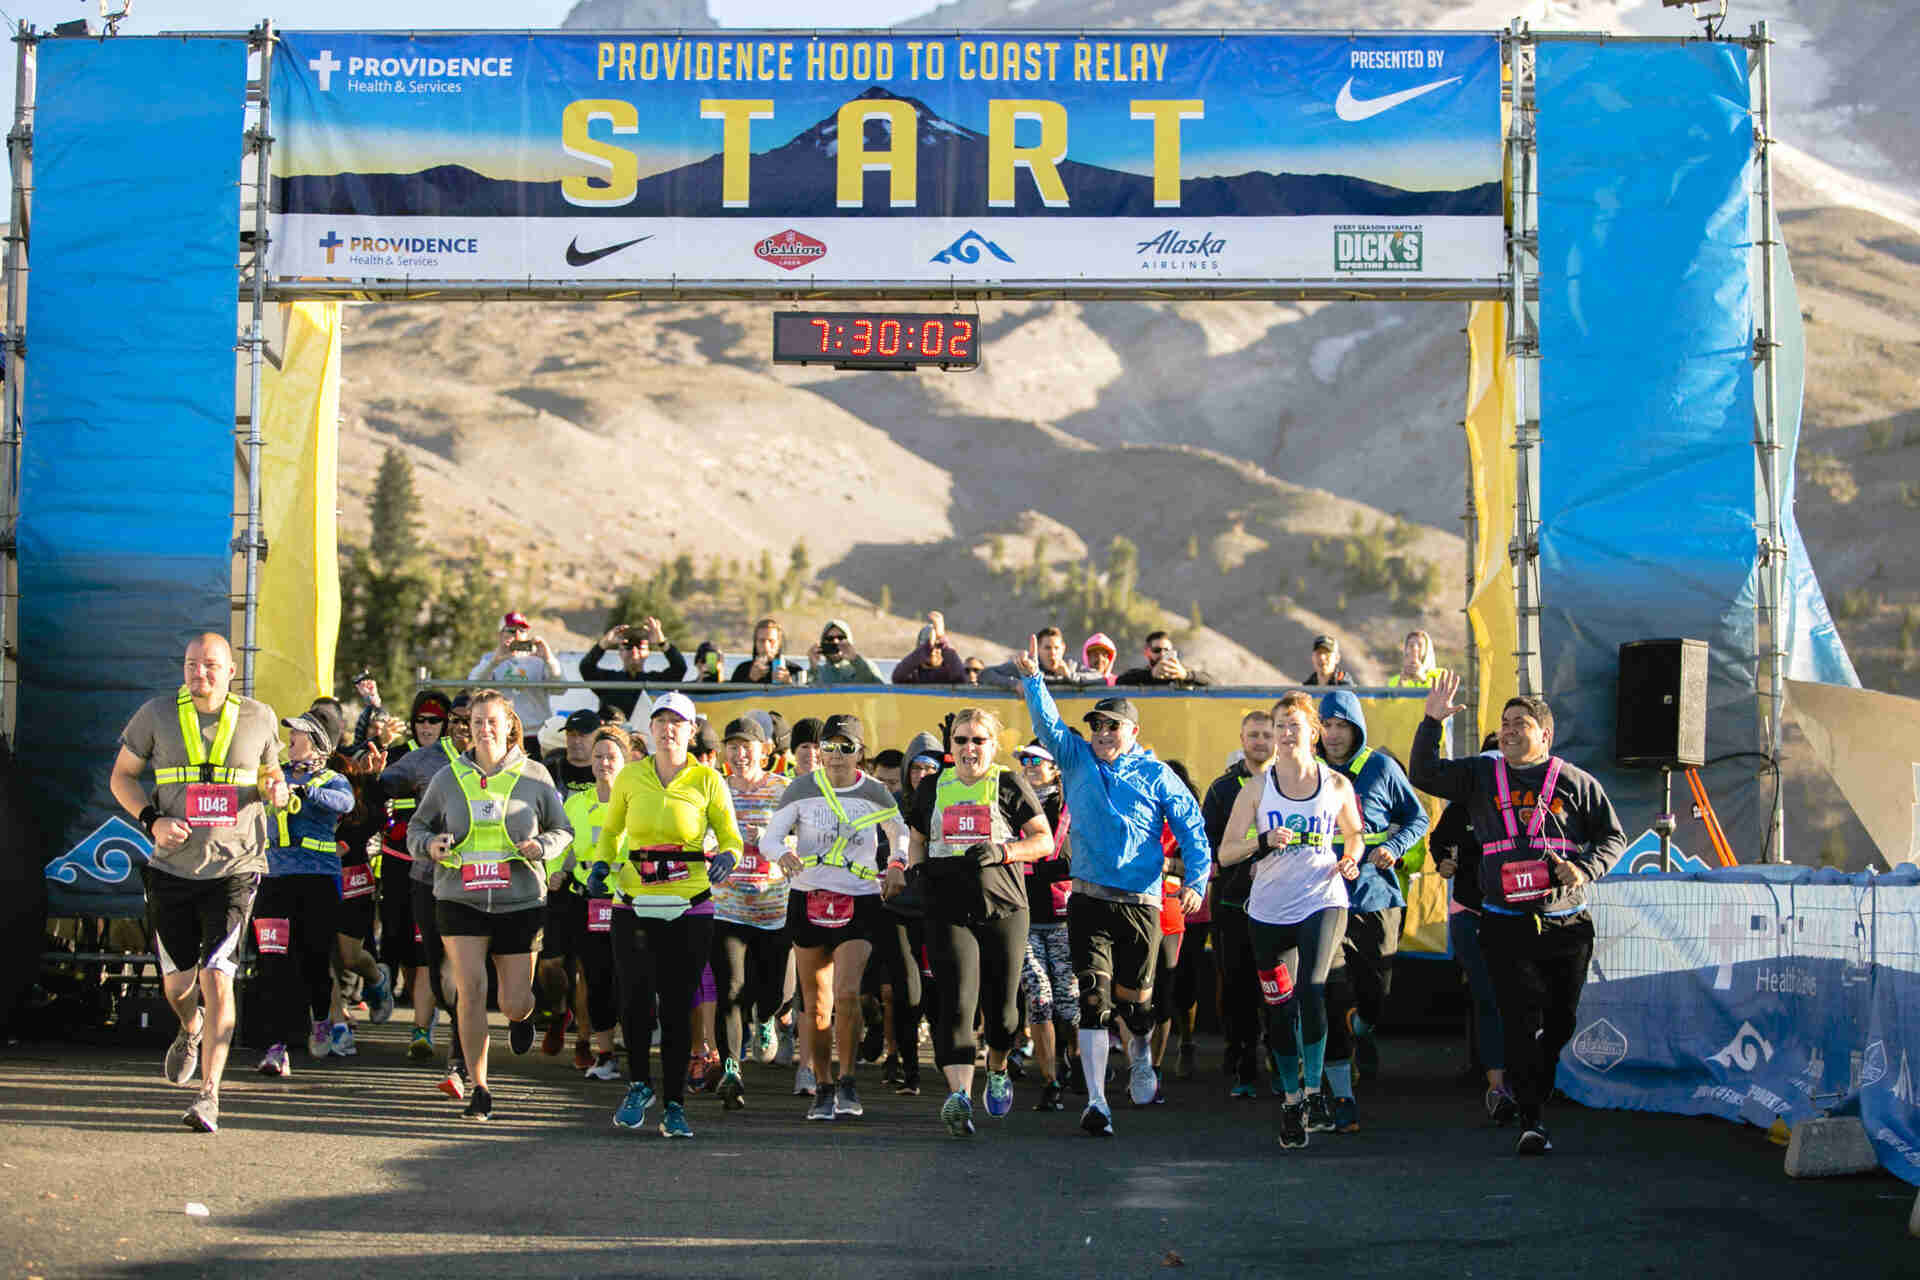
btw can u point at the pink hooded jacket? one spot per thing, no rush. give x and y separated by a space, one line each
1086 656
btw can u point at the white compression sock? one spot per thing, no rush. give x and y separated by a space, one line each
1093 1062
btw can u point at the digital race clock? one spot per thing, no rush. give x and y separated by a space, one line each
876 339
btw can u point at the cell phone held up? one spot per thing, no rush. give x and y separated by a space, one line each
520 646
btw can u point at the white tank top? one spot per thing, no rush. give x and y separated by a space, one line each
1291 884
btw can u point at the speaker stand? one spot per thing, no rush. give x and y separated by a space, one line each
1663 823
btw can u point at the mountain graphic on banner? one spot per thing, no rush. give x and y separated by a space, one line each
799 179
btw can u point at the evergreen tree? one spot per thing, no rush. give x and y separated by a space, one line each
395 511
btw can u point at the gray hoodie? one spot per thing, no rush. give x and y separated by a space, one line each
533 811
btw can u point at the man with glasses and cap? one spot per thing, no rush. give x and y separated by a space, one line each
634 645
1120 797
1163 666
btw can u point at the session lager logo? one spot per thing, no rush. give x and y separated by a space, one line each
1378 249
790 250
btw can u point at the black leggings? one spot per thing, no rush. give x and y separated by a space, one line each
1239 988
397 917
594 954
1186 978
749 970
659 960
1166 986
978 968
432 952
297 987
1307 948
898 946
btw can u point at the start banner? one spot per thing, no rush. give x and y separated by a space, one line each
809 159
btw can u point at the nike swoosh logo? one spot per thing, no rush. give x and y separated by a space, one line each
1350 108
575 258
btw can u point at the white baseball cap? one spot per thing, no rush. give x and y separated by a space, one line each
678 704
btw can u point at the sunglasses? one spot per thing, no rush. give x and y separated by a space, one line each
1158 653
1025 758
429 719
959 741
1101 724
838 748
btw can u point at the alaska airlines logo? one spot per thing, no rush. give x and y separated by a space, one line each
1601 1045
108 854
1747 1050
967 249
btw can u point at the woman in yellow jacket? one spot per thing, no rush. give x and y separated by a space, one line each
665 806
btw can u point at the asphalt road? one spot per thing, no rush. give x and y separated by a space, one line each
358 1167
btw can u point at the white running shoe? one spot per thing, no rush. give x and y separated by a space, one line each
1142 1082
804 1085
320 1042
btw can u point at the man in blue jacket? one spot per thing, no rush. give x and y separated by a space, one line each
1120 798
1395 820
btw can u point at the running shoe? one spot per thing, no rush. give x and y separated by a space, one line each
909 1086
204 1115
556 1037
582 1054
1142 1082
957 1114
874 1042
454 1083
480 1105
380 997
320 1039
520 1035
420 1048
1243 1090
767 1043
1018 1059
632 1113
703 1071
673 1122
733 1095
1534 1141
1346 1115
183 1057
1096 1121
1319 1113
1050 1097
604 1068
1183 1066
783 1051
999 1094
1159 1092
804 1085
275 1063
340 1040
1293 1124
890 1071
822 1107
1502 1110
846 1099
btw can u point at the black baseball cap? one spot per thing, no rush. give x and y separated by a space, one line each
583 721
805 732
1115 708
844 726
1326 642
706 739
747 728
777 729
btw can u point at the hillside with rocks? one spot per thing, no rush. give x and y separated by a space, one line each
1240 448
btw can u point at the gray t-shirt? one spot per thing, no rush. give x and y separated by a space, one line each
532 810
210 853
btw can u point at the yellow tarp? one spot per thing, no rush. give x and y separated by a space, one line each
1489 422
299 614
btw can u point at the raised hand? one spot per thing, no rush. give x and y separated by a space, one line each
1028 663
1440 703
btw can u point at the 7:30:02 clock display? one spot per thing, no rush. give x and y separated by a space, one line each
875 339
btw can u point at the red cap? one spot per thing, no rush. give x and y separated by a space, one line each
516 620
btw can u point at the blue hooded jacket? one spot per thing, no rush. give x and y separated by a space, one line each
1387 802
1119 806
309 847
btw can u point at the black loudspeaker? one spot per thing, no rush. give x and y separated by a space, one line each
1660 712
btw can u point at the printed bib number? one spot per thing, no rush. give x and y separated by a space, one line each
829 910
212 804
478 876
356 881
1525 881
1062 890
966 824
272 935
599 915
1276 984
752 870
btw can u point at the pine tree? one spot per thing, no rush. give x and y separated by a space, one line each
395 508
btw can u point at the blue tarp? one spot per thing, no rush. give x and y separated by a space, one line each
1646 394
127 474
1754 993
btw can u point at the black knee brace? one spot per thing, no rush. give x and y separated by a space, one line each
1137 1016
1096 999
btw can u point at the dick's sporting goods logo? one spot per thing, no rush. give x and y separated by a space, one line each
790 250
1378 249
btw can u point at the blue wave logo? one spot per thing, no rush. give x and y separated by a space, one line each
967 250
108 854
